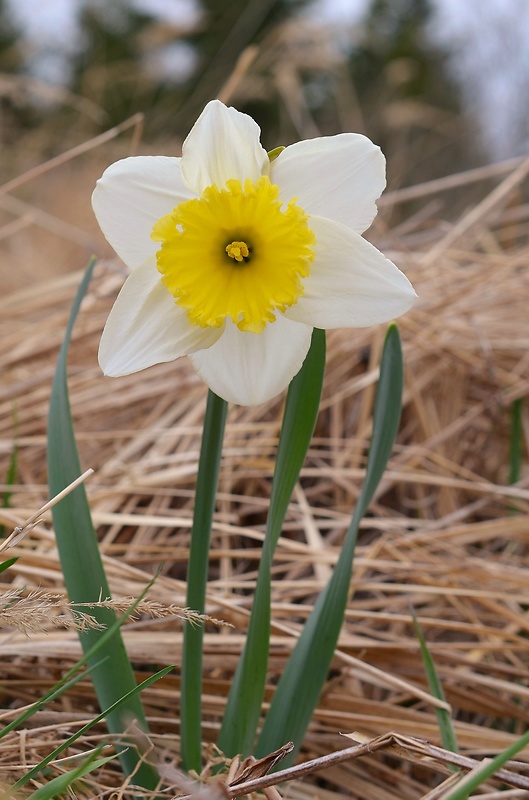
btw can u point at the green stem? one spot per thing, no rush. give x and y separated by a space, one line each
207 479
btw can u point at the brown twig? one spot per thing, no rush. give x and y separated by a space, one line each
430 755
78 150
21 530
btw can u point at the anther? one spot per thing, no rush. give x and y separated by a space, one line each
238 250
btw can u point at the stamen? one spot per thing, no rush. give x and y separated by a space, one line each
238 250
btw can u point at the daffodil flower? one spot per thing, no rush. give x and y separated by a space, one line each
235 257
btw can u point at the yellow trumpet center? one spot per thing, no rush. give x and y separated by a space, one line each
235 252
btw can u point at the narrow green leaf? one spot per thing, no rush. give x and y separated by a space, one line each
197 575
56 691
122 702
247 690
10 480
6 564
61 783
516 441
462 791
444 720
300 686
81 561
11 476
71 678
273 154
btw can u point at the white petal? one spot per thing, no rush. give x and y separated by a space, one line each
250 368
131 196
351 284
146 327
222 145
339 177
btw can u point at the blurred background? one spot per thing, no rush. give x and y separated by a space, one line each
440 85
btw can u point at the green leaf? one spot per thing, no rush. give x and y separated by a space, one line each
60 687
516 441
81 561
11 476
71 678
197 575
273 154
300 686
123 701
247 690
6 564
10 480
479 776
62 783
444 720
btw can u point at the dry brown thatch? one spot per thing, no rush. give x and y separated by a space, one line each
445 535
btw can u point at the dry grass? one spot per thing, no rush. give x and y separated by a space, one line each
446 534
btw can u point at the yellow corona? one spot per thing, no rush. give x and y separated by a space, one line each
235 252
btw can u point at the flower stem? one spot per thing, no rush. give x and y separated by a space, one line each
191 680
